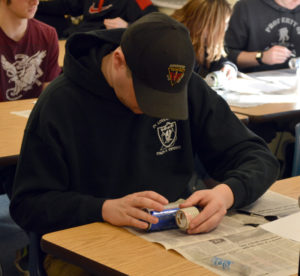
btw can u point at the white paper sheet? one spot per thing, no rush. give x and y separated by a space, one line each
287 227
278 86
23 113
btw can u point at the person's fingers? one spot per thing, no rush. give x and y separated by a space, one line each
207 226
143 215
193 200
150 200
137 223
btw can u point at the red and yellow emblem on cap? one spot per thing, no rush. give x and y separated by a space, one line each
176 73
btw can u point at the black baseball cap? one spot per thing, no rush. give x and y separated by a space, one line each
159 52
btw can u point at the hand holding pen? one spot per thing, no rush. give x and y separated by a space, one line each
276 55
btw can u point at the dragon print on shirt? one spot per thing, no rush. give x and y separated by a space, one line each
24 72
167 135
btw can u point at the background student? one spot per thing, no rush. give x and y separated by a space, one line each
207 21
28 58
28 50
263 34
97 14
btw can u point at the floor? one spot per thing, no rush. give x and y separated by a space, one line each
12 238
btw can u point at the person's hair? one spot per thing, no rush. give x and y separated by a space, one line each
206 21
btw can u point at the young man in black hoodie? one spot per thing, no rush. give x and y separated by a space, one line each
118 132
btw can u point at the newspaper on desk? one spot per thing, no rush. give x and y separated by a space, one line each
234 248
278 86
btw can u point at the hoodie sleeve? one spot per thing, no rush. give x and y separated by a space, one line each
229 151
42 180
237 35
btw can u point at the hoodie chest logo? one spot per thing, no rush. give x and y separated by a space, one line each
167 134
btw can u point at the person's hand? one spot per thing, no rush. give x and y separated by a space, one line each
229 71
114 23
214 203
276 55
128 210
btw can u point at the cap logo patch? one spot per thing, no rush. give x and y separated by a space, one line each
176 73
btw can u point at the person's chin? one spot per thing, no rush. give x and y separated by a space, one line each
31 13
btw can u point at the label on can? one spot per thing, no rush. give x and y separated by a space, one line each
166 220
184 217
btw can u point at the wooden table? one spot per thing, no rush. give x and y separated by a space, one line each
12 129
103 248
62 50
267 112
271 111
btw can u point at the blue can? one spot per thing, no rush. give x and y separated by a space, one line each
166 220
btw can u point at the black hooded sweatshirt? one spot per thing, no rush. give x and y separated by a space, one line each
83 146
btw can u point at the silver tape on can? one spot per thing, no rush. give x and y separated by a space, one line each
184 217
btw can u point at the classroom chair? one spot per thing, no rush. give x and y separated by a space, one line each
296 160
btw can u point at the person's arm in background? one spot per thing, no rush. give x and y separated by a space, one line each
226 66
113 23
275 55
236 36
52 69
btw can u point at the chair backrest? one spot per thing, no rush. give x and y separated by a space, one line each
296 161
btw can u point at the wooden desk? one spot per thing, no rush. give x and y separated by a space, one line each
103 248
12 129
267 112
271 111
62 50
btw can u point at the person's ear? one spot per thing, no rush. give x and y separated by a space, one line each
118 59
